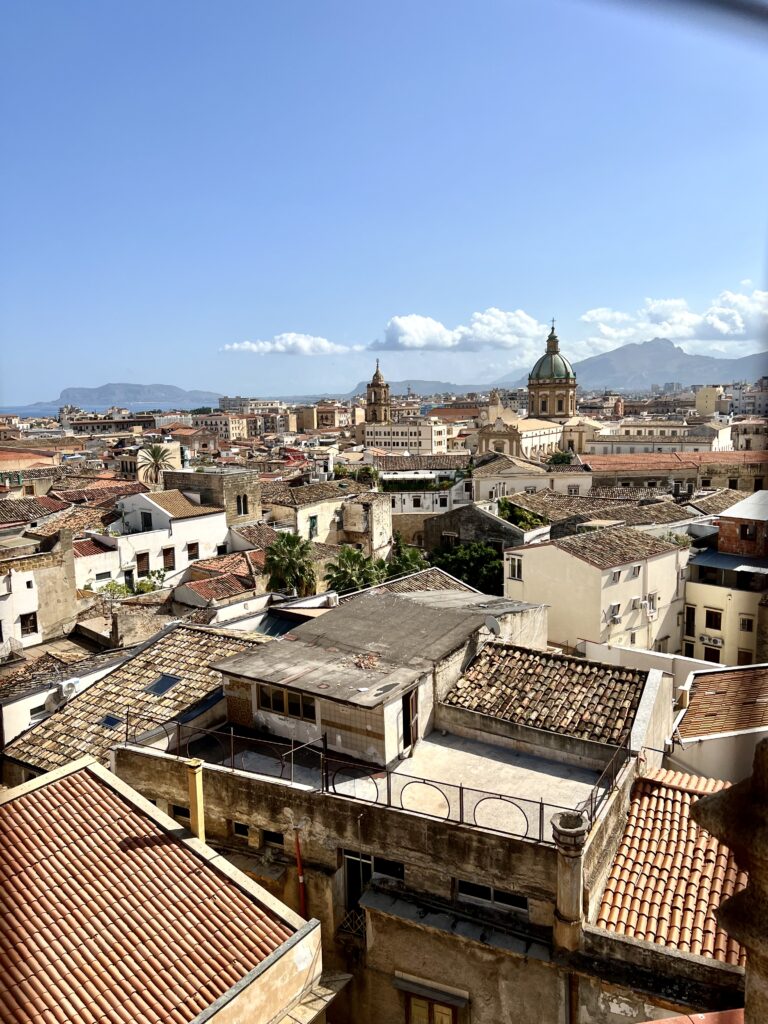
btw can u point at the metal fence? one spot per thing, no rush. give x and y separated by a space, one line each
311 765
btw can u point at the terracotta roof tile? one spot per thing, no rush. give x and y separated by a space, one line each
402 463
727 701
77 518
219 587
78 728
179 506
241 563
281 493
414 583
608 548
27 510
116 919
91 546
718 501
100 490
258 534
565 695
669 876
662 461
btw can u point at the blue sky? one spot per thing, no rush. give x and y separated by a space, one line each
432 179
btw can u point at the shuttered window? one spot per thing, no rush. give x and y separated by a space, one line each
142 564
169 558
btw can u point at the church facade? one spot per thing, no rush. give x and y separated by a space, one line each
552 384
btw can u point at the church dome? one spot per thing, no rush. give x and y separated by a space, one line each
378 377
552 365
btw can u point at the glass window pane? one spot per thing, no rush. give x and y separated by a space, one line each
308 708
278 702
419 1011
265 698
294 705
442 1014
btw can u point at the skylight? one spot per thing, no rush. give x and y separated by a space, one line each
111 721
162 684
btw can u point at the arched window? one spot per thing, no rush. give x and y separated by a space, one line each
543 405
239 505
245 504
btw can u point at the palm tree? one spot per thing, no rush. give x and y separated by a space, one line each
152 461
353 570
404 559
289 565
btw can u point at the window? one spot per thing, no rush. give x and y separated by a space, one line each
427 1011
272 838
146 521
573 489
417 502
111 721
688 649
560 405
193 550
31 584
179 811
221 549
515 568
239 504
635 571
472 892
758 483
394 503
169 559
240 829
543 405
653 601
286 702
690 621
743 657
747 531
443 502
29 488
162 684
613 611
142 564
245 504
746 624
312 527
712 654
28 623
616 576
102 577
633 638
733 483
713 619
706 483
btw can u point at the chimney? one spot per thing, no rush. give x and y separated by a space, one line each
196 804
570 830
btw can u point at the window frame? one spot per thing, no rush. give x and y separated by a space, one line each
31 618
516 562
710 624
193 550
142 572
285 697
169 559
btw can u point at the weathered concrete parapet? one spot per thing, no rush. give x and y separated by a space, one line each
570 830
739 817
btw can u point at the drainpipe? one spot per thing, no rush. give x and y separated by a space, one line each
570 830
196 805
300 872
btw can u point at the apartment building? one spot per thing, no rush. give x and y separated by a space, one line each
426 436
615 585
726 595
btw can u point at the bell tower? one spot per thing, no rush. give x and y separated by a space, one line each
378 407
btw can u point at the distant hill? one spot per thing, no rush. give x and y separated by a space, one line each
638 366
167 395
420 387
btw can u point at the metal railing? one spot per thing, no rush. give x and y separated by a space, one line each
312 766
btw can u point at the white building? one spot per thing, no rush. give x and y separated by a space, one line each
614 585
425 436
161 532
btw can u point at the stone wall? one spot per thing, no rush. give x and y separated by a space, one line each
222 489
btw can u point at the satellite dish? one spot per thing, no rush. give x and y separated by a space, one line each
492 623
69 690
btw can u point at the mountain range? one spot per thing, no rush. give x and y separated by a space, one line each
633 367
637 366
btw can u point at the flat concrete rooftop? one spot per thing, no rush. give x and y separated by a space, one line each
449 777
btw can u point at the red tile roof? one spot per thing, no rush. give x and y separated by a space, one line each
115 918
241 563
179 506
99 490
669 876
671 460
218 587
85 548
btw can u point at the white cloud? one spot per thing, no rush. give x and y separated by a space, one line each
292 344
491 329
732 318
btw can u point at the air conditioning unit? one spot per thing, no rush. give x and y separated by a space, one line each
715 641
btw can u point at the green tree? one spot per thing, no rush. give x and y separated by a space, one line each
561 459
153 461
353 570
404 559
113 589
340 471
519 516
289 565
477 564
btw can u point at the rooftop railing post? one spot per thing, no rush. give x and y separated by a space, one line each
291 760
389 788
178 738
127 715
324 764
461 803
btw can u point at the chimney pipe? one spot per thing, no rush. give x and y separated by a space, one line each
196 804
570 830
